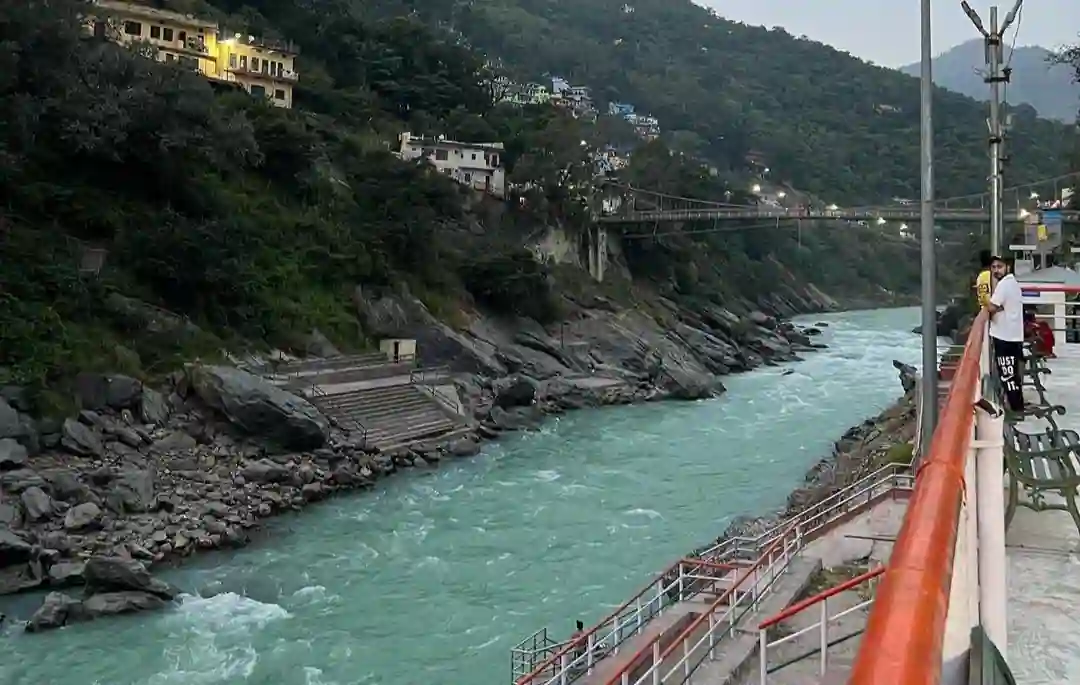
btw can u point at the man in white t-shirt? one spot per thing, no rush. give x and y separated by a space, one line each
1006 309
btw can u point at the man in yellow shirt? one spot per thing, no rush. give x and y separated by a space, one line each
984 284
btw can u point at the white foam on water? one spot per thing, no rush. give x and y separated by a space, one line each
210 639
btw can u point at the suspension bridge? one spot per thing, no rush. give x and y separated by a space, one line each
633 205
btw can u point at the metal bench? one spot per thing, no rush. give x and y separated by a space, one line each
1042 463
1044 410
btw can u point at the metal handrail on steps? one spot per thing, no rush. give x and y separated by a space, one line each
821 627
317 391
418 377
604 638
678 661
817 516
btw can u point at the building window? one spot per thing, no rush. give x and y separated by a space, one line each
169 58
280 69
474 155
232 60
258 91
279 94
155 32
254 63
266 66
468 178
494 160
132 28
182 37
441 155
243 61
167 34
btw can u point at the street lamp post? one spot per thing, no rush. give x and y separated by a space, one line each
929 268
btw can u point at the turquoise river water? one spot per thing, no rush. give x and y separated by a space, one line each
434 576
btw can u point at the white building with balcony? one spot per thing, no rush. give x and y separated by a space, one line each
476 165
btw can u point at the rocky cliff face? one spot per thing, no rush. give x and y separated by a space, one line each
675 350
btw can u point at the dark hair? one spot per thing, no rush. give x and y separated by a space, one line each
985 258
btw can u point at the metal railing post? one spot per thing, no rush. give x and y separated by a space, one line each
712 633
656 662
824 636
763 657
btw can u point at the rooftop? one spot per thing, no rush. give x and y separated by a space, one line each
409 139
145 11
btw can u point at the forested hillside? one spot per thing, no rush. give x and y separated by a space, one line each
226 221
827 122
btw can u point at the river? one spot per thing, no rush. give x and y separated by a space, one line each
434 576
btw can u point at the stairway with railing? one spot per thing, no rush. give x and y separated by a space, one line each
752 565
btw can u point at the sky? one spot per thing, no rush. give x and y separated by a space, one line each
886 32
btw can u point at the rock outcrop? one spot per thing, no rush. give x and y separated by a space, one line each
259 407
112 585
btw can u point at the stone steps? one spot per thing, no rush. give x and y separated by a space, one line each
391 415
351 361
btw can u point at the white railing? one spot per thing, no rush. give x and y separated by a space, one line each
558 665
813 519
563 662
698 641
821 600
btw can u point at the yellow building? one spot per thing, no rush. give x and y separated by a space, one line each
262 67
179 38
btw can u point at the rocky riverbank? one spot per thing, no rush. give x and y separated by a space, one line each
143 476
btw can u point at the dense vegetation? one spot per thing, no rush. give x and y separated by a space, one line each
1036 80
256 224
825 121
251 221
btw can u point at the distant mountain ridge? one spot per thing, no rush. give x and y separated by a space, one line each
1049 88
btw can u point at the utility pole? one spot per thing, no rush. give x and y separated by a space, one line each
996 75
929 398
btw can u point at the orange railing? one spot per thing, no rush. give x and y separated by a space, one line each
904 636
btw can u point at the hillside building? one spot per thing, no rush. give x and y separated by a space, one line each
262 67
476 165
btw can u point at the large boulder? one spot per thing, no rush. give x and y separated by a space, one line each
13 549
12 455
117 574
56 611
10 425
96 391
80 439
261 408
516 391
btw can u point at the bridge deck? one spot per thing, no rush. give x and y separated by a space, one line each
911 214
1044 566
